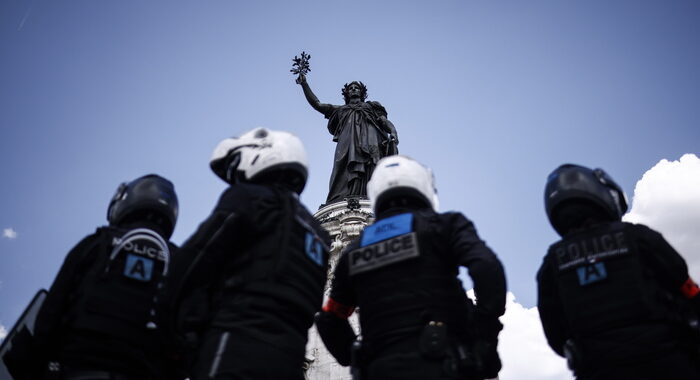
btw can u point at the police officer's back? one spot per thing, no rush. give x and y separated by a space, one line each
259 262
102 316
614 298
416 320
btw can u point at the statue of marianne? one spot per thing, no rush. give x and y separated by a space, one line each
363 135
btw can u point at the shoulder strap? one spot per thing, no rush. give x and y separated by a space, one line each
289 207
96 257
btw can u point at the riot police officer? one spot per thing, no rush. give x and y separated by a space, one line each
416 320
102 317
614 297
260 258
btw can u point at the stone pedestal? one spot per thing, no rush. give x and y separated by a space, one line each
344 221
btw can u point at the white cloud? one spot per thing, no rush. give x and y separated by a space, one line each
667 199
3 333
523 347
9 233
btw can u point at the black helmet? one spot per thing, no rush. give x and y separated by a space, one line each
148 193
574 184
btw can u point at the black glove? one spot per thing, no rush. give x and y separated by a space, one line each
486 345
490 361
695 301
337 335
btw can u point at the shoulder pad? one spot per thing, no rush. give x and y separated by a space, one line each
378 107
452 215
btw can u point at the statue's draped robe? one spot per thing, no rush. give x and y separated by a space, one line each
359 136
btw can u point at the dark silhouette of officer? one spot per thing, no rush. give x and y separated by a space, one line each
102 317
615 298
258 263
416 320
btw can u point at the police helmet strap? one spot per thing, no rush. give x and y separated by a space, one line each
235 160
118 195
616 192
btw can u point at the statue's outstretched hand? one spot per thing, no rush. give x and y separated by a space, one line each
301 79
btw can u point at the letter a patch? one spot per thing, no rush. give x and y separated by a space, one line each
138 267
314 249
590 274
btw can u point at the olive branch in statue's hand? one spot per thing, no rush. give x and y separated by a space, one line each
301 66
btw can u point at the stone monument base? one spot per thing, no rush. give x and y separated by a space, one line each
344 221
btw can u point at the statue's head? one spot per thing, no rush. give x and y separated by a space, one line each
351 86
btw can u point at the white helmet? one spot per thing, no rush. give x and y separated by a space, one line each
396 175
259 152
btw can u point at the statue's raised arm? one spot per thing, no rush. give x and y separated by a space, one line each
301 68
361 129
311 97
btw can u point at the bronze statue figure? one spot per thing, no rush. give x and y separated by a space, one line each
362 132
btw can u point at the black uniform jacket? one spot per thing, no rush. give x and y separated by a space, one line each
262 258
622 302
57 339
419 282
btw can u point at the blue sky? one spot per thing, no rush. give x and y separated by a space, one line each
491 95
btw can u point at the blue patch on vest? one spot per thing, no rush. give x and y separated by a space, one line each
314 249
590 274
387 228
138 267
